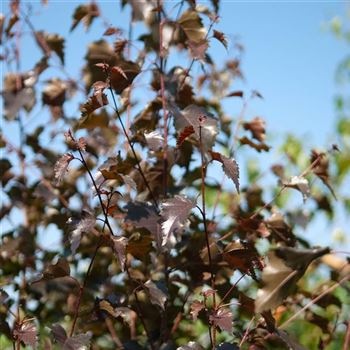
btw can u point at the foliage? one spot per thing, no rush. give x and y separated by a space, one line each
120 229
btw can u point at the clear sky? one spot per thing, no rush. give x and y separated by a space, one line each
290 56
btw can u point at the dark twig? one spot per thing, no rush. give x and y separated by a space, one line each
203 212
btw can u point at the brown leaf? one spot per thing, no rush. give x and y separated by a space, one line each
61 167
94 102
229 166
54 93
123 74
26 332
185 133
235 94
111 31
198 49
157 296
119 247
92 121
196 307
60 269
85 225
257 128
321 169
221 37
192 25
285 267
56 43
119 47
257 146
76 342
222 318
86 13
243 258
301 184
175 212
13 20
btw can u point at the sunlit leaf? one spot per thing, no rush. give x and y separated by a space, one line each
230 167
175 212
154 140
85 225
301 184
26 332
192 25
61 167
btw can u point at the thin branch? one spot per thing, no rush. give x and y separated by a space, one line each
313 301
139 312
282 189
212 277
247 331
231 289
155 203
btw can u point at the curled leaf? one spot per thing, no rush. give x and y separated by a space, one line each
230 167
301 184
221 37
119 247
85 225
94 102
61 167
86 13
257 128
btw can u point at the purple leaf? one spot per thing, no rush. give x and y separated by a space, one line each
157 296
143 215
76 342
175 212
26 333
222 318
196 307
231 169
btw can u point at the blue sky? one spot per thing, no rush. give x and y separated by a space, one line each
290 56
